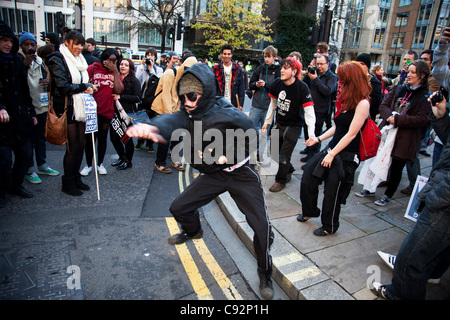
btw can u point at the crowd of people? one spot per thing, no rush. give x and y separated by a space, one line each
321 101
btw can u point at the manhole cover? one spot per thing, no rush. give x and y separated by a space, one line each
39 271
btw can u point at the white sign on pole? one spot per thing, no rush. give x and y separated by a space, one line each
91 113
90 109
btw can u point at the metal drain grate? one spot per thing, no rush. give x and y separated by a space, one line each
37 271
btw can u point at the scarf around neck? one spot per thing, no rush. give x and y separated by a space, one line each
78 71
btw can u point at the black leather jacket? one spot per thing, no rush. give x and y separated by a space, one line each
61 84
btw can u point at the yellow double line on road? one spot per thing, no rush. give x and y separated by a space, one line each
199 285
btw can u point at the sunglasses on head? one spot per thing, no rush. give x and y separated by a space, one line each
192 96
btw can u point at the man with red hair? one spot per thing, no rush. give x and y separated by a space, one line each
292 102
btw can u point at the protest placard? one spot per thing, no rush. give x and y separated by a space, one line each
412 212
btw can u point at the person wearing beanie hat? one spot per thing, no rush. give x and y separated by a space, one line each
26 36
17 118
376 95
365 58
172 59
37 77
236 175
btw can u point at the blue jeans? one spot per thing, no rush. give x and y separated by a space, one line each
257 116
423 249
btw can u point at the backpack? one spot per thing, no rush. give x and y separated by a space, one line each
149 92
370 140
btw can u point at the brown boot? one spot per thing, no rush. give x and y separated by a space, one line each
276 187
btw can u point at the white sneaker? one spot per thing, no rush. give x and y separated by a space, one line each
101 169
86 170
387 258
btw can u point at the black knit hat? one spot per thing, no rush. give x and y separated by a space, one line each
5 31
364 58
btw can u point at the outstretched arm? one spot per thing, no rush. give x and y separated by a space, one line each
145 131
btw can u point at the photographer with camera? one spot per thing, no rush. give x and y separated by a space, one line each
322 83
148 67
37 78
427 246
147 73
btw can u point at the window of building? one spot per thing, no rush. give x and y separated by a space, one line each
402 20
26 20
419 37
383 16
424 14
403 3
151 37
398 39
102 3
442 21
378 37
56 3
120 4
394 65
51 22
114 30
356 34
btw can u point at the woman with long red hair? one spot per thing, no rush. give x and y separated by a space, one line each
336 164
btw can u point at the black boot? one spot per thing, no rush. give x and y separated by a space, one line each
265 284
118 162
125 164
69 186
79 184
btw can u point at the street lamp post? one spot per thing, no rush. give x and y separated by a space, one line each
401 15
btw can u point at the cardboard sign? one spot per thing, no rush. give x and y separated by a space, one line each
411 211
91 113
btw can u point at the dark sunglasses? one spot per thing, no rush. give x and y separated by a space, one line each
192 96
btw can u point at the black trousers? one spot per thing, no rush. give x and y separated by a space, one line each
12 173
336 189
287 140
244 186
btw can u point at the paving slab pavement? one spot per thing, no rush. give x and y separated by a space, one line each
338 266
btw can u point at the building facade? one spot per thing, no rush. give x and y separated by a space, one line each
388 29
100 18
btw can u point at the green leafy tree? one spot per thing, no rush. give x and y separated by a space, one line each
239 23
293 31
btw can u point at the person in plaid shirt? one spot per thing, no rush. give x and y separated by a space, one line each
230 77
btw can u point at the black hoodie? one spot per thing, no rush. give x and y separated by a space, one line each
209 126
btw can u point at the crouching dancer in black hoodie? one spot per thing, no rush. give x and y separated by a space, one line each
202 115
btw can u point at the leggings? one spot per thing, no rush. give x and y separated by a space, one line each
126 152
74 148
101 136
